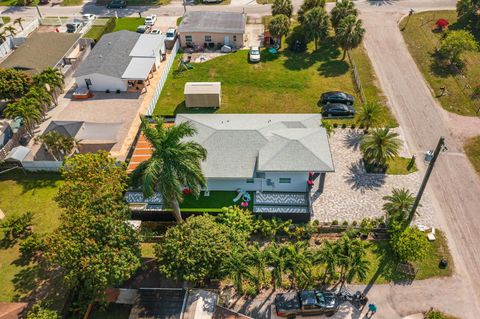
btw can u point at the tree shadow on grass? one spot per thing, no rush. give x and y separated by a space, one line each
333 68
182 108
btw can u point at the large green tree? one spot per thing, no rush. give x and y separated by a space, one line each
94 247
409 244
399 204
342 9
175 163
284 7
315 24
279 27
455 43
309 5
195 250
468 12
58 145
29 109
13 84
349 33
379 146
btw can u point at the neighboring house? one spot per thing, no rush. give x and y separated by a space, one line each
211 29
122 60
48 49
6 132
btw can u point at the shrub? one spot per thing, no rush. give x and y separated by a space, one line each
316 223
251 291
344 126
366 227
354 223
408 244
118 91
32 247
17 226
353 126
237 218
40 312
334 222
345 223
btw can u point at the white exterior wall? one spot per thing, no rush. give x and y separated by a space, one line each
102 82
298 183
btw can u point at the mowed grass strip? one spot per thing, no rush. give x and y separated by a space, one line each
422 41
472 148
286 82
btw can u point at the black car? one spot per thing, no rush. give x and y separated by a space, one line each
306 303
338 110
117 4
336 97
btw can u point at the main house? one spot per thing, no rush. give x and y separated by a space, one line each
275 157
123 61
212 29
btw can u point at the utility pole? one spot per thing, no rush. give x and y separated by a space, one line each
440 146
410 13
38 11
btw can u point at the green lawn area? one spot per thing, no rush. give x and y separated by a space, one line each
284 83
67 3
472 148
17 3
422 42
400 166
130 24
383 262
5 19
20 193
213 203
137 2
95 32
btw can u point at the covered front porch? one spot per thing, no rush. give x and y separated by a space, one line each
139 73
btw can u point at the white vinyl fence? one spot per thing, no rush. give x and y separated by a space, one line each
161 83
48 166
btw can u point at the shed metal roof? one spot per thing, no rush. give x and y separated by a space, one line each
203 87
213 22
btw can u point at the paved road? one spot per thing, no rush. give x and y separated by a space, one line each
454 185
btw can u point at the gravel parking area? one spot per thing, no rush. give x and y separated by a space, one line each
352 194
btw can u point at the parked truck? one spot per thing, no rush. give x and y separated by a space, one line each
307 303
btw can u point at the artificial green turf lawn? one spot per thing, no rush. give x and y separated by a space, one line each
383 262
216 200
284 83
421 42
130 24
472 148
95 32
20 193
399 166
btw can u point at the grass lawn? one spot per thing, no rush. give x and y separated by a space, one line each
137 2
95 32
472 148
16 3
20 193
130 24
383 262
422 42
284 83
5 19
214 202
67 3
400 166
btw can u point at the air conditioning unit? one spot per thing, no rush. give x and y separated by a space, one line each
206 193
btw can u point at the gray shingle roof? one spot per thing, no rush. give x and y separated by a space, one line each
237 143
111 55
213 22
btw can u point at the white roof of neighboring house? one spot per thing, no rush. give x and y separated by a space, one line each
237 143
138 68
148 44
213 22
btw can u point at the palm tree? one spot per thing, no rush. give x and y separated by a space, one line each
309 5
258 259
237 269
57 145
342 9
279 27
3 37
296 261
175 163
284 7
11 29
328 256
380 146
350 254
358 265
52 80
369 115
349 33
27 109
276 262
399 204
41 95
19 21
316 25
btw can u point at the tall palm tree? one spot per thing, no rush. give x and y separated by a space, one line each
359 265
236 268
399 204
380 146
175 163
296 261
3 37
351 253
342 9
276 262
369 115
316 25
41 95
328 256
28 110
284 7
19 21
52 80
308 5
258 259
11 29
349 33
58 145
279 26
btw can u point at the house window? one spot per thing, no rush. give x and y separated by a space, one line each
188 38
208 38
234 38
284 180
250 181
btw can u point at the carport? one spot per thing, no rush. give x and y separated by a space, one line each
138 73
